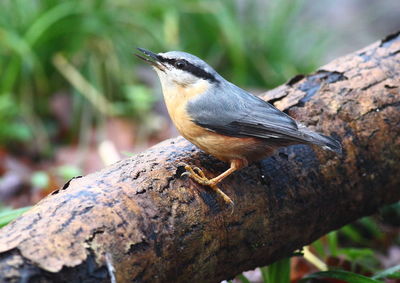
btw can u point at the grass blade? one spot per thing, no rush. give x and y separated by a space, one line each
346 276
392 272
49 18
9 215
277 272
243 278
82 85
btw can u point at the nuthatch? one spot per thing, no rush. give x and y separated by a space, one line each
223 119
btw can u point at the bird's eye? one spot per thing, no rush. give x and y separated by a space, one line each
180 64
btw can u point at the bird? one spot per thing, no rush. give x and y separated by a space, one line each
222 119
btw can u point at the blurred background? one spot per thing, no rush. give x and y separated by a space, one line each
73 98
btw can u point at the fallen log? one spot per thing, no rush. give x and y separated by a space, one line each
139 221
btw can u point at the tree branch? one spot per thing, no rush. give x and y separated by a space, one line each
142 219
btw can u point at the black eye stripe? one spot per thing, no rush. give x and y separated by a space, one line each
189 67
198 72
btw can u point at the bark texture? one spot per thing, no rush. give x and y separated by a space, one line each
142 219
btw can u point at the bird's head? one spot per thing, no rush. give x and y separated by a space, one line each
180 68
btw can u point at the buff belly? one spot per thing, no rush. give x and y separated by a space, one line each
228 148
223 147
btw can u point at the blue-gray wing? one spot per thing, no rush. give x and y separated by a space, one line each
235 112
231 111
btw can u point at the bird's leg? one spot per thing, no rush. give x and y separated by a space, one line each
197 175
236 164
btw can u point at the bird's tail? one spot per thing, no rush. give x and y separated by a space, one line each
321 140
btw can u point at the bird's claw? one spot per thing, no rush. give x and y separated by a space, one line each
185 174
182 164
199 172
198 176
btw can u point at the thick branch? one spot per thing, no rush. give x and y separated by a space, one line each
153 226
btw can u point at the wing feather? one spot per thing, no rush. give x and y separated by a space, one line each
229 110
235 112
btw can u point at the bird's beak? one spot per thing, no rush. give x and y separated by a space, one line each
151 58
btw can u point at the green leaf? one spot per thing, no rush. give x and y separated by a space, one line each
8 215
349 277
140 98
351 232
319 248
47 19
40 179
354 254
67 172
372 227
392 272
243 278
279 271
333 243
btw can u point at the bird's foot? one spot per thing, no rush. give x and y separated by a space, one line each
199 177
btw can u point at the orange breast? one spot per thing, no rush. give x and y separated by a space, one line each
176 98
220 146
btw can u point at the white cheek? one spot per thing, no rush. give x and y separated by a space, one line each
176 77
183 78
168 86
164 78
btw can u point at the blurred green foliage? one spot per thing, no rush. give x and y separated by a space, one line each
67 172
40 180
279 271
11 128
354 243
8 214
349 277
85 48
357 243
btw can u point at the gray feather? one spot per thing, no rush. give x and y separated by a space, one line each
229 110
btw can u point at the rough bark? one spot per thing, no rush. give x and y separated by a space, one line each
141 218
